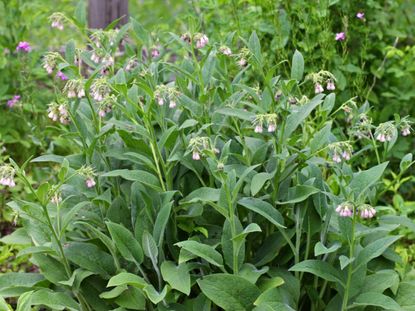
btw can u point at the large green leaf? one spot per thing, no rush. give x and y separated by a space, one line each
53 300
299 193
320 268
363 180
144 177
297 117
374 250
125 242
264 209
230 292
377 300
90 257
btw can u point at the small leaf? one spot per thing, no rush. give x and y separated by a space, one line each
320 249
345 261
297 66
258 182
150 247
204 251
154 296
178 277
255 48
125 278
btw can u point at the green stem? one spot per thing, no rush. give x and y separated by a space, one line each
375 147
350 267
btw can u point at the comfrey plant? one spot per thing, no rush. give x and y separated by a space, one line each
198 188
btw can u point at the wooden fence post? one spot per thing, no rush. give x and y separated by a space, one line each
102 12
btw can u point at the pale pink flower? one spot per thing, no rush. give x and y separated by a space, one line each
271 127
196 156
57 24
360 15
330 85
337 158
155 53
406 131
90 182
258 129
346 155
172 104
61 75
345 209
318 88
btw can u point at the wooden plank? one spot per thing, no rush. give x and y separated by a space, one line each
102 12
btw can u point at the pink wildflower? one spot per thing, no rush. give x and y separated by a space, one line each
341 36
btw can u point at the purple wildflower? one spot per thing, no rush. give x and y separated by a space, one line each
23 46
13 101
62 76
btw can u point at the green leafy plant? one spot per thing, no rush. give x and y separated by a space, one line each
194 188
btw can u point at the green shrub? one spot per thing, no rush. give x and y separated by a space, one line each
204 176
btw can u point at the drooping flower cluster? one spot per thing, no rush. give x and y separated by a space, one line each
225 50
102 46
269 120
50 61
243 57
385 131
166 94
405 126
345 209
340 151
363 126
201 40
198 145
100 89
23 46
89 174
74 88
12 102
55 195
366 211
57 20
131 64
7 173
59 112
320 78
106 105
